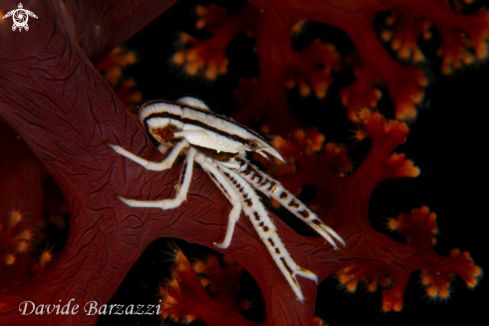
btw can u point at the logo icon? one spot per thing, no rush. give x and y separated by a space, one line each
20 16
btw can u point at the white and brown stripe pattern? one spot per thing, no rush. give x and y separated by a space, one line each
254 209
273 188
188 127
203 128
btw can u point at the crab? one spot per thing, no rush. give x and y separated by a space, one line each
219 145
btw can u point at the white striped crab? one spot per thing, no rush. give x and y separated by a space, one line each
219 145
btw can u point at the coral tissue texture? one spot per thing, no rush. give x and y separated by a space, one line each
59 114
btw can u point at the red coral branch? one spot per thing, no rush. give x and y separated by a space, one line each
274 23
335 193
185 297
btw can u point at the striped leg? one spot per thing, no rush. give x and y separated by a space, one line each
273 188
153 166
183 185
228 191
267 231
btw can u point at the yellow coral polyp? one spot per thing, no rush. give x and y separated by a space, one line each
386 35
426 279
22 246
179 58
199 267
481 50
372 286
113 75
201 10
391 20
279 143
186 38
181 262
344 278
444 293
200 23
290 83
304 89
211 71
396 44
320 89
15 217
352 285
364 115
205 281
24 235
438 291
224 67
417 96
46 257
476 273
405 111
192 68
398 306
388 305
245 305
393 224
297 28
128 59
408 169
9 259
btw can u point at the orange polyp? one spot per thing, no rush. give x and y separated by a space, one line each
22 246
432 291
344 278
444 293
426 279
200 23
14 218
398 306
24 235
297 28
304 89
179 58
417 96
46 257
396 44
386 35
405 111
391 20
351 286
418 56
320 90
211 71
199 267
245 305
372 286
299 134
393 224
192 68
9 259
200 10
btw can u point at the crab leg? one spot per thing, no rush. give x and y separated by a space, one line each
154 166
228 191
273 188
183 185
254 209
